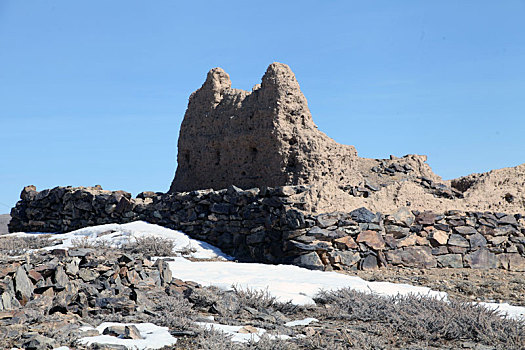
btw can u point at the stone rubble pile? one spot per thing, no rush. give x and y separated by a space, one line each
437 189
269 226
47 297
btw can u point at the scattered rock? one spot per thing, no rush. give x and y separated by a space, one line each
369 262
404 217
347 259
477 241
346 242
397 231
23 286
362 215
465 230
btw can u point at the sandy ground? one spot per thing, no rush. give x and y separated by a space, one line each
4 220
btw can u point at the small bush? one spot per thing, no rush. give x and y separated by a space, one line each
419 318
267 343
209 339
342 339
85 242
262 300
151 246
257 299
10 245
173 311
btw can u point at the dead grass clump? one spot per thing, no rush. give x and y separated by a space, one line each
11 246
211 339
85 242
151 246
339 339
257 299
267 343
207 339
173 311
418 318
263 301
225 304
229 303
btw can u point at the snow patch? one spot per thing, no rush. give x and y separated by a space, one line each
285 282
241 334
304 322
505 309
155 337
116 235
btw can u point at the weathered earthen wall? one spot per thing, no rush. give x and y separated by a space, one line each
267 137
269 226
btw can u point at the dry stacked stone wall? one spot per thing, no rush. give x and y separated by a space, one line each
268 225
363 239
247 224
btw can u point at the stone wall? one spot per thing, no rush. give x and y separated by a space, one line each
268 225
248 224
363 239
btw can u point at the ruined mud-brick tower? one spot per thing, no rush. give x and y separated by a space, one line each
265 137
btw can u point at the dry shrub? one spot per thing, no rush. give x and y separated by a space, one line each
173 311
262 300
257 299
208 339
267 343
11 246
151 246
211 339
342 339
84 242
419 318
228 303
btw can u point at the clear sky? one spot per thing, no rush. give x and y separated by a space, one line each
93 92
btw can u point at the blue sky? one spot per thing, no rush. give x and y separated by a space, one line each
93 92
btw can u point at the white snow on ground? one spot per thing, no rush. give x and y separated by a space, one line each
299 285
155 337
304 322
511 311
240 334
286 282
116 235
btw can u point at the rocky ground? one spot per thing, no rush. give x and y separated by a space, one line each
57 298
